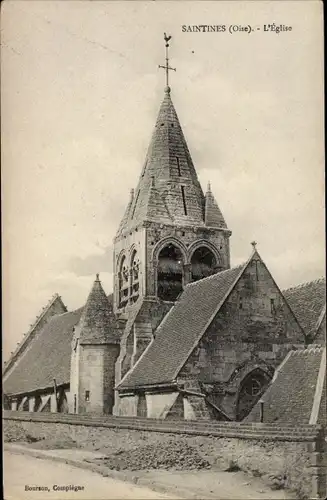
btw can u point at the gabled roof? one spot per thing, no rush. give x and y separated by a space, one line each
47 357
296 393
98 324
54 306
182 329
308 302
212 214
168 160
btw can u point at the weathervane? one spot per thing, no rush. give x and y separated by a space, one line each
167 67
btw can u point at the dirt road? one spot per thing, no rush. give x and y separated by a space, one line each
22 474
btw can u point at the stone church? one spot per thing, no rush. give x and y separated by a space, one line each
184 335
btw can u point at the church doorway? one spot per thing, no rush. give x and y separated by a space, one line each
170 273
203 263
251 389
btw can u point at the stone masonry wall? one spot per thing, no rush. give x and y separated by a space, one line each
187 236
270 456
97 375
248 332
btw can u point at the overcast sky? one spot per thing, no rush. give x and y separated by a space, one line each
81 90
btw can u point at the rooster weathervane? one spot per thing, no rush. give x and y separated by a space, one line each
167 68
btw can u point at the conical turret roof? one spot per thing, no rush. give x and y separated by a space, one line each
212 215
177 191
98 324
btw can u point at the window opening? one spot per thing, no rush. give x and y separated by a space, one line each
137 197
184 200
203 263
272 306
135 269
87 396
178 166
252 387
170 273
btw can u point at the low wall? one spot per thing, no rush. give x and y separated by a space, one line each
290 454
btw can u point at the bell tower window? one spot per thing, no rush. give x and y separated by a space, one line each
170 273
123 283
135 285
203 263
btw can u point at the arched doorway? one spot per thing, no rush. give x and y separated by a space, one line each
251 389
170 273
203 263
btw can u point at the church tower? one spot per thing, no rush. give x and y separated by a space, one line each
171 234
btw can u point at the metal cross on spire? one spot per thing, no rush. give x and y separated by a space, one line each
167 67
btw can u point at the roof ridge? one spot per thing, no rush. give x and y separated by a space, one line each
306 283
312 349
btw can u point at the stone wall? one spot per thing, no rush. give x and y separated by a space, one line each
292 454
254 329
97 376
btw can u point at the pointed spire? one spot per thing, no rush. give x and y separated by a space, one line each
168 160
212 214
97 323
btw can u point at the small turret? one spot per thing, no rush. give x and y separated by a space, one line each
212 214
95 349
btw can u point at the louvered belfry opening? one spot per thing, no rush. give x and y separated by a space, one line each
170 273
123 283
203 263
134 277
128 278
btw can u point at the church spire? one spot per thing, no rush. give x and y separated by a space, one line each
176 196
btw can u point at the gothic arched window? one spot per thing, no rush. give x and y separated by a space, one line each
170 273
203 263
135 270
123 280
252 387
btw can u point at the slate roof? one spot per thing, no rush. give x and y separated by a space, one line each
98 323
181 329
290 396
47 357
308 301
